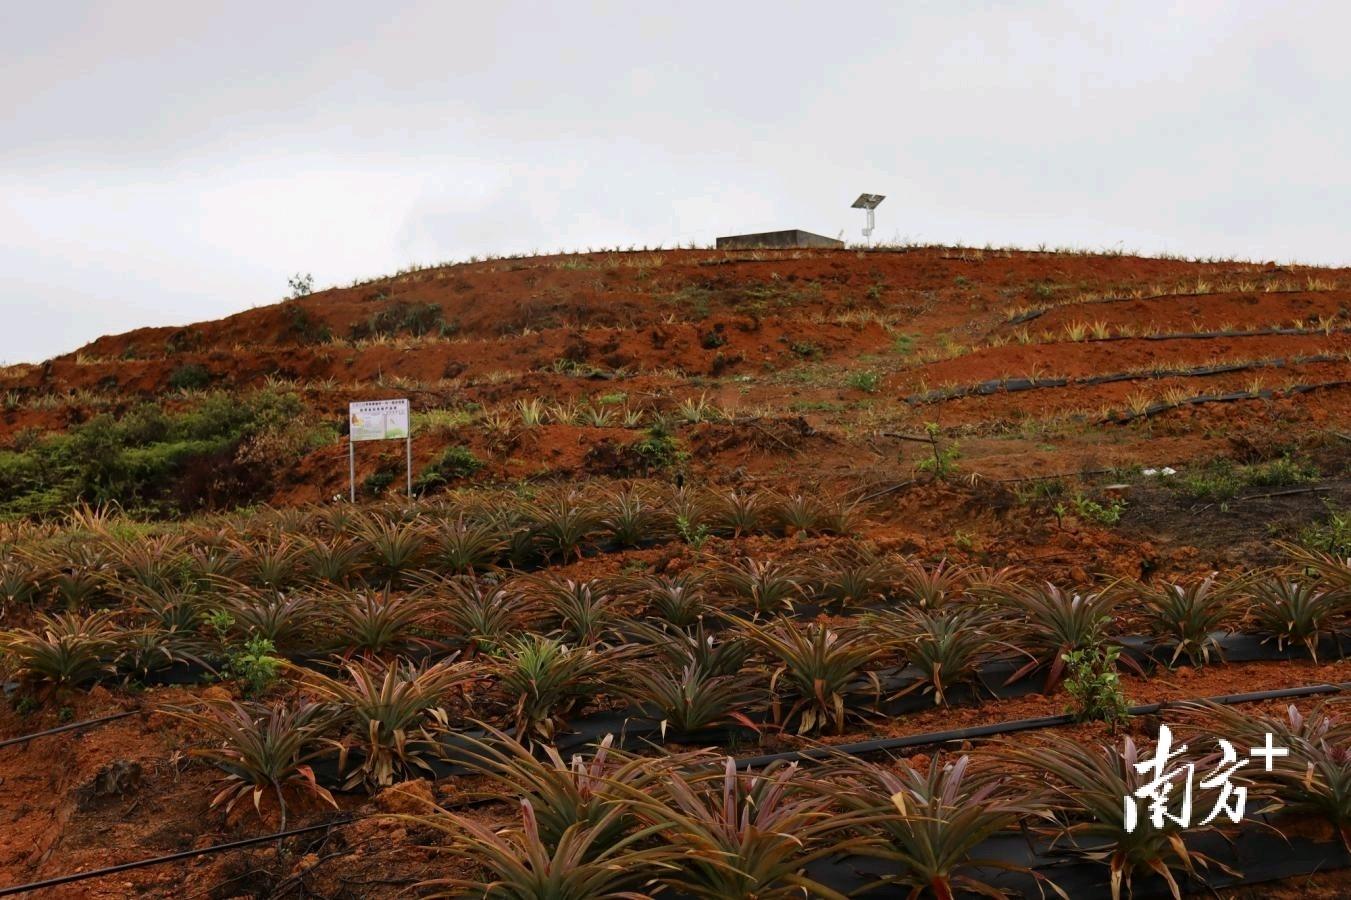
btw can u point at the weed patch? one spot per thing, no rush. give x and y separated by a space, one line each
1331 536
1222 480
189 377
404 318
866 381
1094 686
453 464
137 460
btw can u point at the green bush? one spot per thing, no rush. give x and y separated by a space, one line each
182 340
455 463
376 482
302 327
254 665
1094 686
1108 513
1280 472
402 317
659 450
903 344
1332 535
189 376
302 285
866 381
943 462
1220 481
1039 490
133 460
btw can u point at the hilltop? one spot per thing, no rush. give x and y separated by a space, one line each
801 369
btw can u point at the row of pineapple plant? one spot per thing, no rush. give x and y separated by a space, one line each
539 651
610 823
344 546
962 609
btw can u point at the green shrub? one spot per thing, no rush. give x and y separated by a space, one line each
300 285
402 317
189 376
134 460
1281 472
866 381
1095 687
1040 490
454 463
696 535
254 664
302 327
659 450
1108 513
1332 535
378 481
943 462
182 340
1221 481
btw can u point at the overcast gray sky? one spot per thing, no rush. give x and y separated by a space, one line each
167 162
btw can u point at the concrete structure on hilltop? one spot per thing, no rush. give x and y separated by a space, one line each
794 237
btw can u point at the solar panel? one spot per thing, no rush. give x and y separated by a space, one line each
868 202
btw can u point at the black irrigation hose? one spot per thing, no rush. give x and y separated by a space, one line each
882 745
172 857
857 749
1212 335
1019 385
1157 408
72 726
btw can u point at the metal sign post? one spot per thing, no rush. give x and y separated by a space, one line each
377 420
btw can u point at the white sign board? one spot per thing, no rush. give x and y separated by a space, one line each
378 420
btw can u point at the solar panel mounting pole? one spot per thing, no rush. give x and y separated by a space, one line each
869 203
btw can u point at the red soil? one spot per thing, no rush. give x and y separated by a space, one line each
771 338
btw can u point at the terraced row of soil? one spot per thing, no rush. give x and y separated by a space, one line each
772 370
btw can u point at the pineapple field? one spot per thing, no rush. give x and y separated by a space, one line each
898 572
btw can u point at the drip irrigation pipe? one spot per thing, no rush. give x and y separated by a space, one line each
172 857
882 745
1158 408
72 726
1201 335
1019 385
862 748
1212 335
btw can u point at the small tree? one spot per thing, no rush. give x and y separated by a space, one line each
302 285
944 461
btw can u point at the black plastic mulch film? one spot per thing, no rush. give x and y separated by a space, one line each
1256 851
